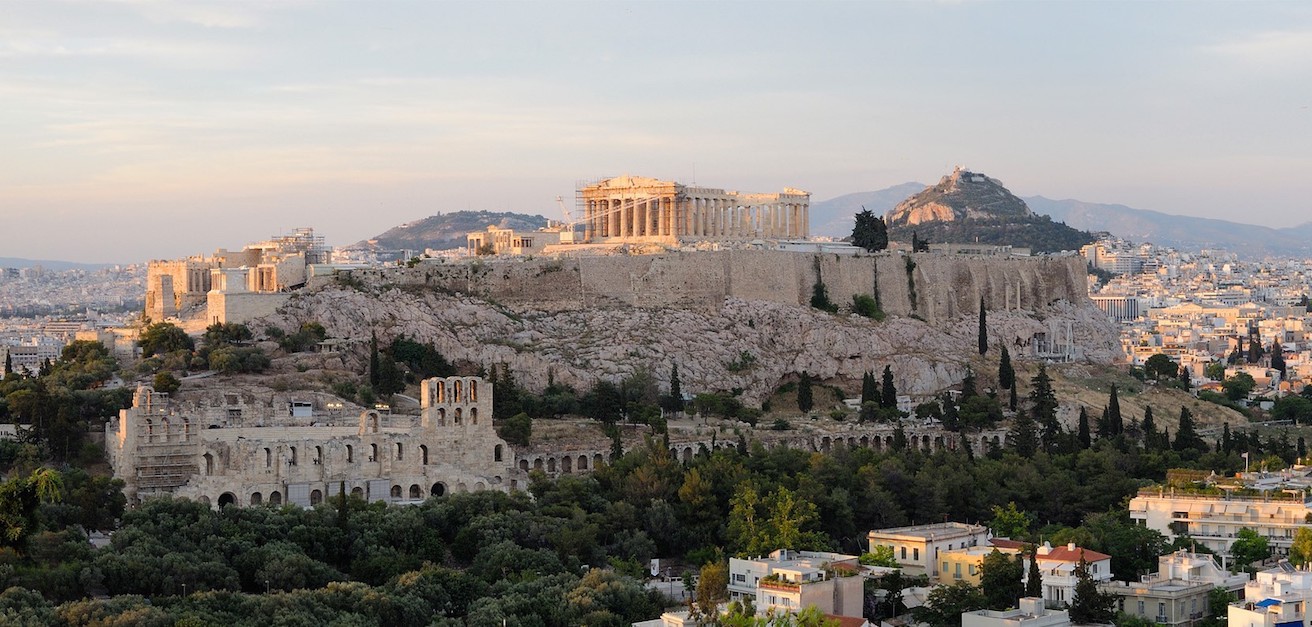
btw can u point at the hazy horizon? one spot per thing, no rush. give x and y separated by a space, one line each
139 129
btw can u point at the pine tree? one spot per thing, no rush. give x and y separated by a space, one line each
869 231
983 329
1006 373
1104 424
804 399
1043 401
869 388
1083 433
9 364
1184 377
887 391
1114 422
968 385
1034 583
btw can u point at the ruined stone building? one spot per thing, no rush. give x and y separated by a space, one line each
238 451
638 209
231 286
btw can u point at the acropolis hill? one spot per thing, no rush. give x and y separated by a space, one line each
588 317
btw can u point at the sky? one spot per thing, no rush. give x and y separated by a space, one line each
133 130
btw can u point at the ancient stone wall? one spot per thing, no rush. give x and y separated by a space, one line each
934 287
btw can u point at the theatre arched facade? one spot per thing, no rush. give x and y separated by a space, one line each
639 209
244 454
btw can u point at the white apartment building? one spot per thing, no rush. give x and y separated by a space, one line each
1031 613
917 547
1274 505
1057 567
1277 598
1177 594
793 580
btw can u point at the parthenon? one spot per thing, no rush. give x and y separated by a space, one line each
630 208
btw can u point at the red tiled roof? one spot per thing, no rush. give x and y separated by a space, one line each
1064 554
1006 543
847 621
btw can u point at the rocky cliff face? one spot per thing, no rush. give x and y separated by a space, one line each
961 195
727 324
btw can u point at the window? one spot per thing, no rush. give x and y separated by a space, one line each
973 569
915 554
350 454
956 572
496 456
373 452
904 552
1141 607
292 461
945 567
318 455
268 458
399 452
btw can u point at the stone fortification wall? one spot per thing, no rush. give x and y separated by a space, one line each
934 287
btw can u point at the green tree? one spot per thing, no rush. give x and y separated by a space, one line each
820 297
888 391
1186 438
1160 365
674 400
1082 434
19 500
869 389
1238 386
517 429
804 398
712 589
162 338
1247 548
869 231
983 329
1034 580
1000 580
1043 401
1115 424
1023 435
1278 358
1300 552
1006 373
1088 604
866 306
945 604
1214 371
1010 522
166 383
881 556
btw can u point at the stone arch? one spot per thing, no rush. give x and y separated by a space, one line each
473 415
473 395
150 433
209 464
566 464
441 391
924 442
537 463
461 488
318 455
205 499
357 491
583 462
415 493
458 416
186 430
400 451
851 443
938 443
888 442
396 491
438 489
496 453
459 391
316 497
275 498
865 441
597 461
226 499
687 454
350 454
164 428
268 458
373 452
878 442
825 443
257 498
551 464
523 465
479 487
997 441
441 416
423 454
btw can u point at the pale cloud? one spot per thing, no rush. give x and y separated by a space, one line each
211 15
1268 51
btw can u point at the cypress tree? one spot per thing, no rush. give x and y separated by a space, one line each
1034 583
887 391
1114 422
676 389
9 364
869 388
373 360
1043 398
1184 377
1278 358
1024 436
1149 429
804 399
968 385
1006 373
983 329
1083 435
1225 439
1011 402
1185 436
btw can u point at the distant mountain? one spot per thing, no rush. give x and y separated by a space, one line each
448 230
834 217
1164 229
50 264
970 207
